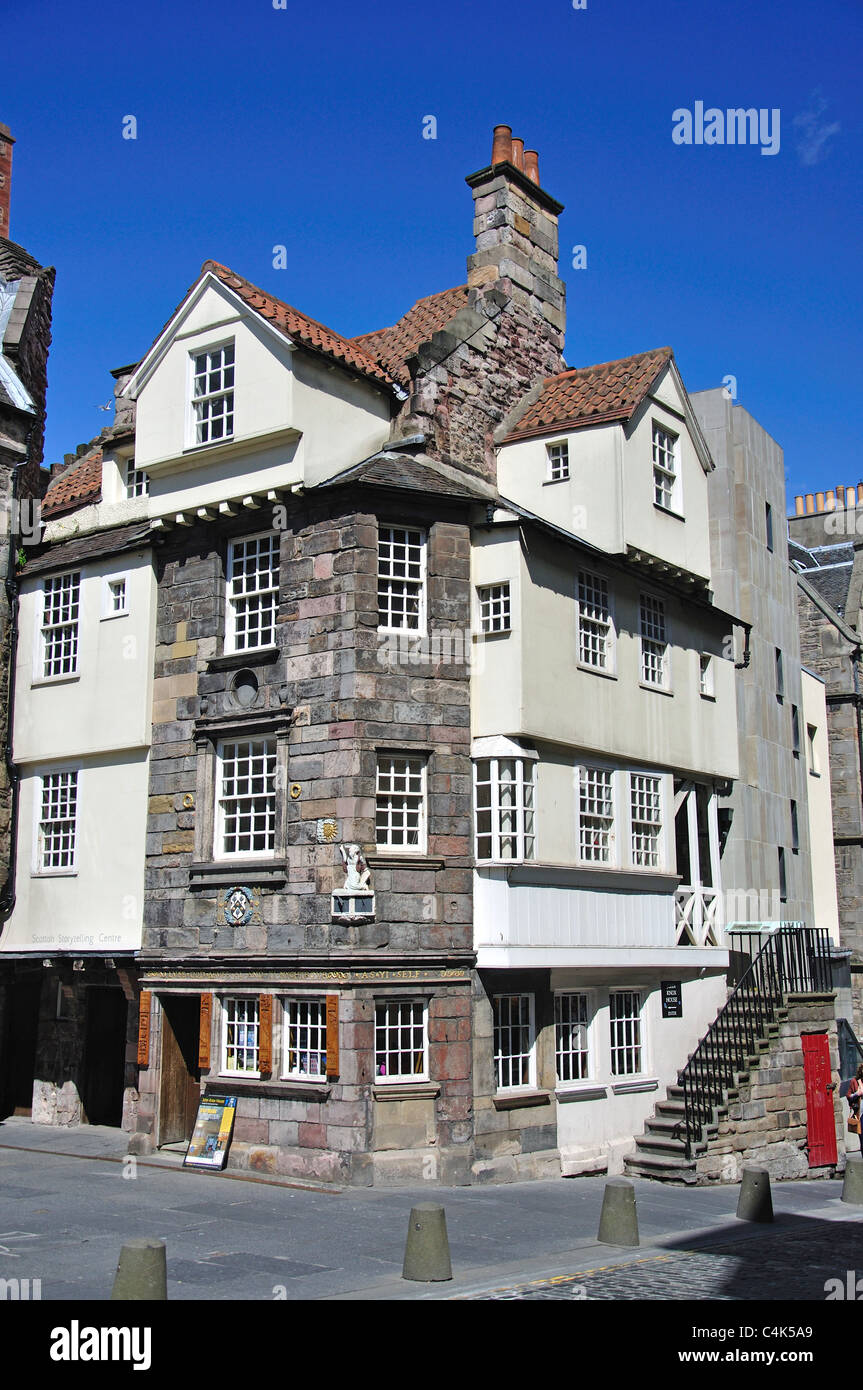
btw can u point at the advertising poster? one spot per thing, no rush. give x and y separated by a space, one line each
212 1133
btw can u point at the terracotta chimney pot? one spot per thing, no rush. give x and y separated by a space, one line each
798 506
830 500
819 501
531 165
518 153
501 148
810 504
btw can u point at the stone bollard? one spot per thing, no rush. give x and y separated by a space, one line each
142 1275
755 1202
427 1246
618 1222
852 1185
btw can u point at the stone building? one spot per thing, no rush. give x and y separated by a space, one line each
26 291
826 549
379 703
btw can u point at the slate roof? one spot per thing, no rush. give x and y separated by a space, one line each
298 326
15 261
393 469
832 583
392 347
590 395
82 548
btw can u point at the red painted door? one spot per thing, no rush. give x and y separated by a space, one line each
820 1123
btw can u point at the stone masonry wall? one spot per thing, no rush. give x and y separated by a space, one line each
766 1125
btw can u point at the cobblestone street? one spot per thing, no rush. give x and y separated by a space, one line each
788 1266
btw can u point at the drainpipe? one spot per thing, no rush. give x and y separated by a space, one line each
7 893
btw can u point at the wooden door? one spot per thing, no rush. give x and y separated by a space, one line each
821 1126
179 1089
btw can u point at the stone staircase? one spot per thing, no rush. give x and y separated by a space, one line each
661 1152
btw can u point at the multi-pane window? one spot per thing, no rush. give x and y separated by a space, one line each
60 610
57 813
646 820
305 1038
137 481
213 394
494 608
705 673
571 1021
400 803
654 642
664 467
595 631
246 798
253 592
400 1040
558 462
240 1035
624 1007
595 815
401 579
514 1041
505 808
117 599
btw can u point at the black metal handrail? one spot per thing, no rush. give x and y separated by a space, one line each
791 961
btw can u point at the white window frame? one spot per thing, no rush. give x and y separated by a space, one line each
613 860
589 1050
499 1057
39 868
401 1078
596 581
193 422
706 676
811 751
108 611
557 461
288 1002
383 765
657 777
494 606
224 1001
219 851
136 481
638 1017
234 599
525 839
40 673
648 599
418 586
665 453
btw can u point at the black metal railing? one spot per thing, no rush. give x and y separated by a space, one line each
792 960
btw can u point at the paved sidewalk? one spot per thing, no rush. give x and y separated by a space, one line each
67 1202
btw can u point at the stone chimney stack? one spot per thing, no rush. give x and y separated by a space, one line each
515 224
6 143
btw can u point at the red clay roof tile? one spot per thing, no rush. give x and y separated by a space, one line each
393 346
591 395
76 486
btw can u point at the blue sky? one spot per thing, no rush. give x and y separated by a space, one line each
303 126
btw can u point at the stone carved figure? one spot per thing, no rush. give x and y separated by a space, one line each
357 872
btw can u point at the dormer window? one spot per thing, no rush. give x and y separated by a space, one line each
666 473
558 461
213 394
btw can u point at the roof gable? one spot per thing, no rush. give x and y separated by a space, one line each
289 324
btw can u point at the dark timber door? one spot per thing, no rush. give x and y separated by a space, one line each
821 1127
179 1092
16 1086
105 1055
